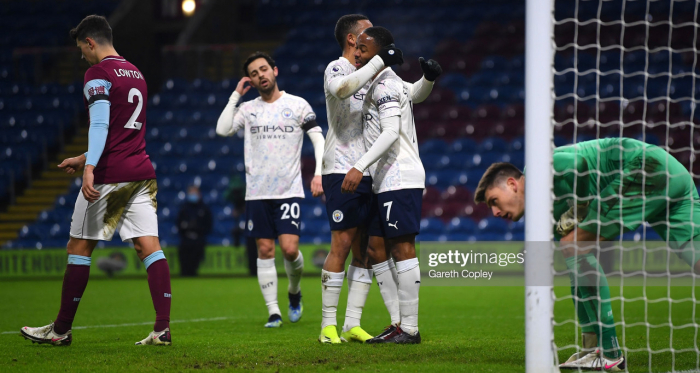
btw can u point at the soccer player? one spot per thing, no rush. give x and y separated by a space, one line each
274 125
119 184
345 87
604 188
398 178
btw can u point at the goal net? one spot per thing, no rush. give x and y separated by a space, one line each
619 70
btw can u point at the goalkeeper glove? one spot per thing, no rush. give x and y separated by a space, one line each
568 220
431 69
391 55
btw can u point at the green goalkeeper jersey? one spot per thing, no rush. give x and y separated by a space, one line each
625 182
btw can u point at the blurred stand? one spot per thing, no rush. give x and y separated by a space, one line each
194 224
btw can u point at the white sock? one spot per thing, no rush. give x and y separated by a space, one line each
359 282
294 270
331 283
267 278
409 285
388 287
394 274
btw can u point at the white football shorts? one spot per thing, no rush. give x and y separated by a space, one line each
129 207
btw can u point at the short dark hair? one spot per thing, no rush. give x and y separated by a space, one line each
347 24
95 27
254 57
382 37
495 173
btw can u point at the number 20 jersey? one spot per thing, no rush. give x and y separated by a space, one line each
124 157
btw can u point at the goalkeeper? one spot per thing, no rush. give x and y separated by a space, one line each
602 189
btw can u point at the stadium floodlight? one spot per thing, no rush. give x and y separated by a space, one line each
539 354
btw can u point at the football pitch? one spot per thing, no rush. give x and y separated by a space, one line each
217 323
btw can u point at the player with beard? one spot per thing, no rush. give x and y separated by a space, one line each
274 125
345 85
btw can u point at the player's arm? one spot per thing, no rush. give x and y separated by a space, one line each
564 164
343 86
315 134
73 164
96 92
421 89
390 133
387 101
230 120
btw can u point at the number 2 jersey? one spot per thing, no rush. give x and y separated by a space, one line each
274 134
124 158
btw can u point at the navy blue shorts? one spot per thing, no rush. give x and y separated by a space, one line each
396 213
347 211
268 218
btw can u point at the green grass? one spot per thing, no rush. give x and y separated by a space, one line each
475 329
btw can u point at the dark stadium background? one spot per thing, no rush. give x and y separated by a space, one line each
474 116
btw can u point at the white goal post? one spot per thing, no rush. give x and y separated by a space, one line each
539 302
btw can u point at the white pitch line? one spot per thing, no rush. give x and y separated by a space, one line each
134 324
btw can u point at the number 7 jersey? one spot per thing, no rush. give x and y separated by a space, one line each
124 157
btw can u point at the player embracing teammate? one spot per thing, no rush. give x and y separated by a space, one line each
353 118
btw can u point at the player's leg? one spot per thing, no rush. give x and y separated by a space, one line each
589 340
260 216
359 283
332 276
344 216
87 227
294 266
267 279
75 281
138 223
286 219
149 251
400 215
589 282
387 279
403 249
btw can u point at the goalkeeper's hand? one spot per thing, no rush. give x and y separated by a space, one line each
391 55
71 165
568 220
431 69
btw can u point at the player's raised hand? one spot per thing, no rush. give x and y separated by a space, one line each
431 69
89 192
316 186
391 55
242 88
71 165
351 181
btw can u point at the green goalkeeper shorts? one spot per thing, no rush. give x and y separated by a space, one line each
656 189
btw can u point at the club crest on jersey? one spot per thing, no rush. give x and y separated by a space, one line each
100 90
337 216
287 113
336 69
250 224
